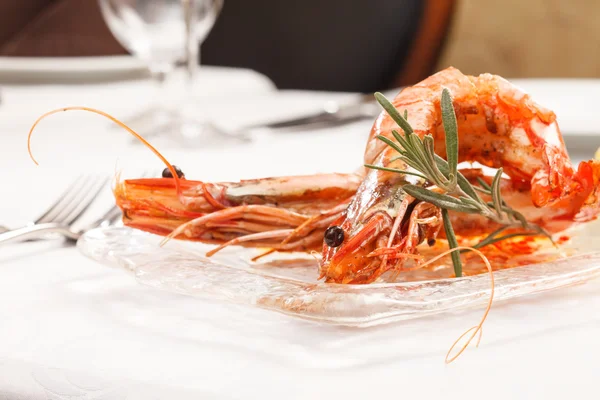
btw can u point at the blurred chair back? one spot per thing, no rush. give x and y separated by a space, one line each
339 45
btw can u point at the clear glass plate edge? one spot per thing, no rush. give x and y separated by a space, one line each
174 269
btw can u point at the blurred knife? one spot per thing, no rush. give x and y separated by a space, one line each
333 114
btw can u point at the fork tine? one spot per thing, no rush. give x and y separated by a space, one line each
87 201
109 217
62 201
76 199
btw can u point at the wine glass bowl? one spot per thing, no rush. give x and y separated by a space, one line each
163 33
155 30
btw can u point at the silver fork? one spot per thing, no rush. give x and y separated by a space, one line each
60 217
65 212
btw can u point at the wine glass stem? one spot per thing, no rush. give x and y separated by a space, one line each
192 48
193 54
162 108
159 82
190 45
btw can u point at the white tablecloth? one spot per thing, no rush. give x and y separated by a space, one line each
71 328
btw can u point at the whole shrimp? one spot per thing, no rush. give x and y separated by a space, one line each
499 126
364 223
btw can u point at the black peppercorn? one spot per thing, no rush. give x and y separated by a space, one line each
167 172
334 236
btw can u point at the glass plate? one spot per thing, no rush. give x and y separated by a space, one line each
289 284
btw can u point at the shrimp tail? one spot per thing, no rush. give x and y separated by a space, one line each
588 174
560 186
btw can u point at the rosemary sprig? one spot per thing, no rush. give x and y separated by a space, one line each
451 130
450 189
493 237
452 243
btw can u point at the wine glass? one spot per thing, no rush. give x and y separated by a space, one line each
162 33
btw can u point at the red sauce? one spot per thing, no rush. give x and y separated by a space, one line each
563 239
511 253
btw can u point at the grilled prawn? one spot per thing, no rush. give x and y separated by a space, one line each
498 126
364 223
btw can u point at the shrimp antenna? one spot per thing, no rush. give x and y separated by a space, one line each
477 329
116 121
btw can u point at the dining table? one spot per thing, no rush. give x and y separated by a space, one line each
73 328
